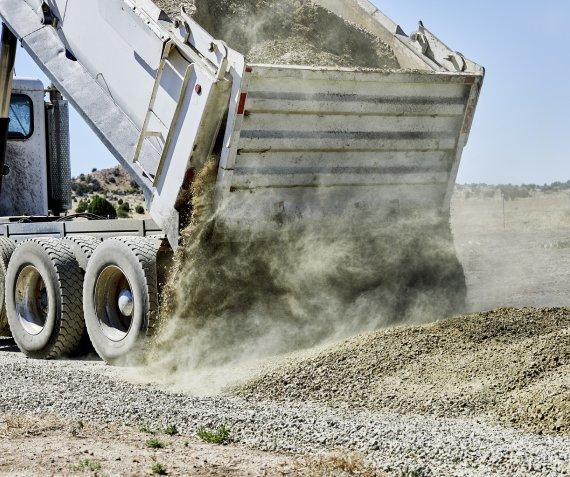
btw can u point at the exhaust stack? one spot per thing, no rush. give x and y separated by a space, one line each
8 45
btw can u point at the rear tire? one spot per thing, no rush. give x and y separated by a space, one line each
83 246
7 247
120 295
43 298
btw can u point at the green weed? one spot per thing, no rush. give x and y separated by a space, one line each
87 465
171 430
217 436
158 469
154 443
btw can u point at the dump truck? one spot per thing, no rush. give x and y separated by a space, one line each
163 95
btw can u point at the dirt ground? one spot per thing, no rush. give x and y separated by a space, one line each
30 447
516 259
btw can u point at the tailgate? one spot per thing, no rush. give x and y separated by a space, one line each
309 144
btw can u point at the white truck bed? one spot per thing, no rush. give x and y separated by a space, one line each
314 142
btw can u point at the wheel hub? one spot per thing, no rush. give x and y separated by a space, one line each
126 303
114 303
32 301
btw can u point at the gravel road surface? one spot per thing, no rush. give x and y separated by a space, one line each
92 392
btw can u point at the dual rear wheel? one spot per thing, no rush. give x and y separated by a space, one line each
59 291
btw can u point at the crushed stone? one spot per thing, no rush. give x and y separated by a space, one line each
90 392
510 366
287 32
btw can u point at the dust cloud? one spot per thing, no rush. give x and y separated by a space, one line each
234 299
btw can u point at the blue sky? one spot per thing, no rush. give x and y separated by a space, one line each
522 127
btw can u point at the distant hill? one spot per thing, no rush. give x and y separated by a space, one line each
509 191
115 185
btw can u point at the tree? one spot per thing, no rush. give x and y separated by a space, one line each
82 206
121 214
139 209
102 207
123 210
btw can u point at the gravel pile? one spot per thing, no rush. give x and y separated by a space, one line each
90 392
510 366
287 32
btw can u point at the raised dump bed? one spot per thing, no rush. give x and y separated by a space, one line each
313 143
296 141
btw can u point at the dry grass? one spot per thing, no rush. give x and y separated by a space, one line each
333 465
23 426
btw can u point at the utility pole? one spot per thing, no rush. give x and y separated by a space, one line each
504 216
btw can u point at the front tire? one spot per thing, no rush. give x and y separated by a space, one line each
120 295
43 299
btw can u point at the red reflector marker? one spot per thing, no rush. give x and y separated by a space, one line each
241 105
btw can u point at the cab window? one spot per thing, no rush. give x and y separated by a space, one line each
21 117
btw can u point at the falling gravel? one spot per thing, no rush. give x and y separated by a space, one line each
508 366
287 32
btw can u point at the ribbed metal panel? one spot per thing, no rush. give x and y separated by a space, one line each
320 142
59 157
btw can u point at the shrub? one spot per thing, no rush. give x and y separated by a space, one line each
82 206
139 209
511 192
121 214
102 207
86 465
123 209
158 469
95 185
146 429
171 430
80 188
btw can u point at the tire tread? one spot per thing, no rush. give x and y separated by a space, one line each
7 247
66 339
145 249
83 247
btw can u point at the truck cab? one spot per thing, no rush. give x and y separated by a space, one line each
37 174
